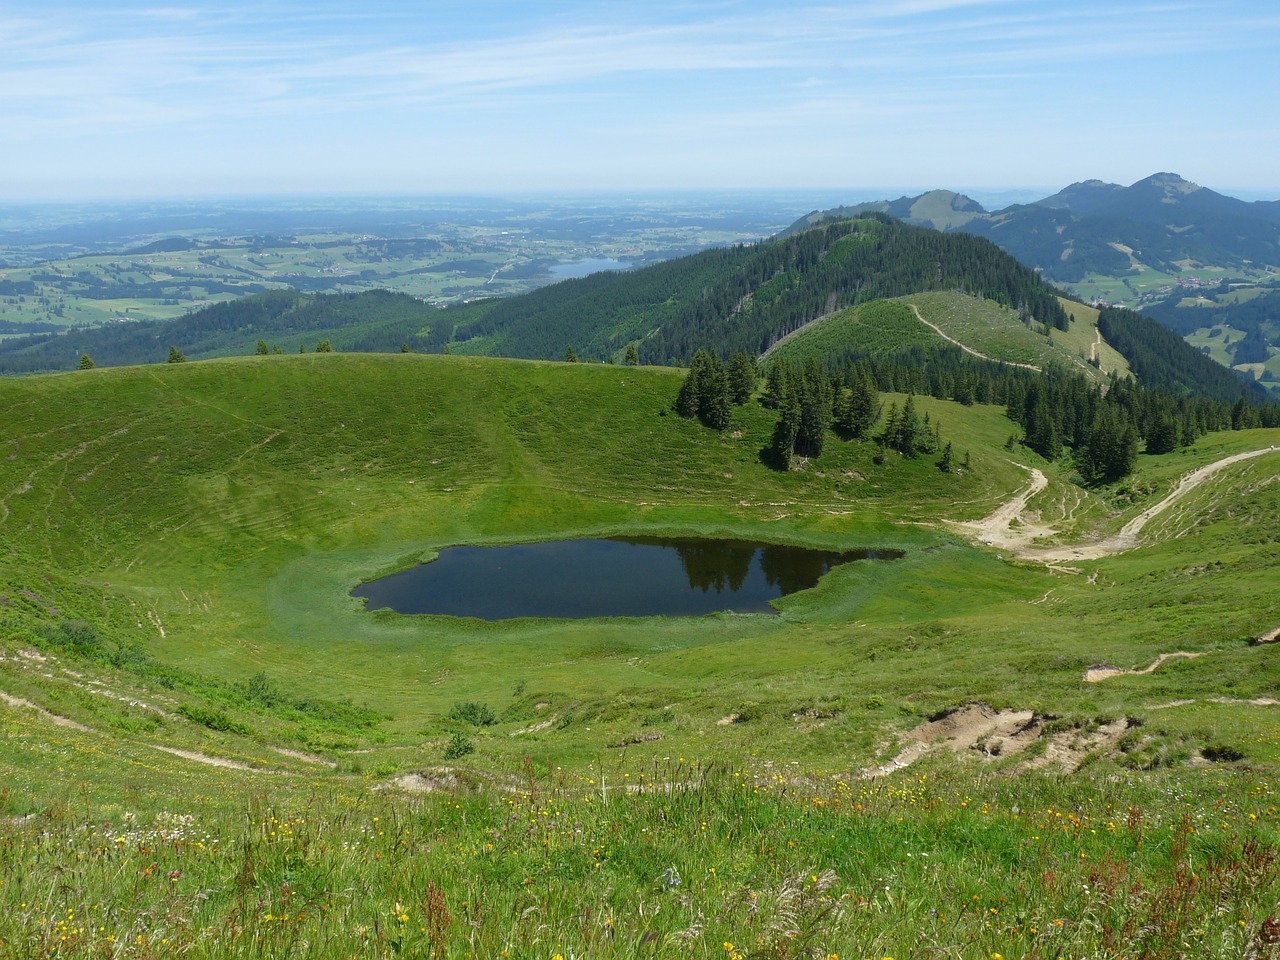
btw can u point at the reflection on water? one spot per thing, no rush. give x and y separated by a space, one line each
621 577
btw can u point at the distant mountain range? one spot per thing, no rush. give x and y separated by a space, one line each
1164 223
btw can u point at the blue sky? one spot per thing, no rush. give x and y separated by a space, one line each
127 98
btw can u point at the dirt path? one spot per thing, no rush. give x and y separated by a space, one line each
936 329
1098 673
61 721
999 528
1093 347
51 717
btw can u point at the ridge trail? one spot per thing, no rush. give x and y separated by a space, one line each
950 339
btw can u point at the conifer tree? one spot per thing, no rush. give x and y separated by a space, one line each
776 384
945 463
570 356
783 444
633 357
743 374
175 356
86 362
262 349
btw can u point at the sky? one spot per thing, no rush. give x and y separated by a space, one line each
170 99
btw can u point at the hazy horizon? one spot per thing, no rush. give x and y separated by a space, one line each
141 100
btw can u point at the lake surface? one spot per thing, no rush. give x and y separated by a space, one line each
635 577
582 268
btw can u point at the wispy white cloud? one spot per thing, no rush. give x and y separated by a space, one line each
150 72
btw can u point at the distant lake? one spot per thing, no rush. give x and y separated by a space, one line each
582 268
621 577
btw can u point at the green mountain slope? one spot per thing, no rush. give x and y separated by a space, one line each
745 298
982 328
209 748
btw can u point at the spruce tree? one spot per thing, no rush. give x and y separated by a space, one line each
262 349
945 463
743 374
175 356
776 384
783 444
570 356
86 362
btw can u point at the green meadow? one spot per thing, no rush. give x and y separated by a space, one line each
208 748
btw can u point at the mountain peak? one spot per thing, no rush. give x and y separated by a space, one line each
1172 185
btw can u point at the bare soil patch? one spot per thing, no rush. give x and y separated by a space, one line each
1100 672
977 729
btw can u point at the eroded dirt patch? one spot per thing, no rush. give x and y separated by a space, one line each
978 730
1100 671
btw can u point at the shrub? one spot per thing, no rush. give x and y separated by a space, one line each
213 719
476 714
459 746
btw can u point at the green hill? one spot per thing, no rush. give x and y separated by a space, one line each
929 320
747 297
235 759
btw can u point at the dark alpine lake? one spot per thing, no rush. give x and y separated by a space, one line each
637 577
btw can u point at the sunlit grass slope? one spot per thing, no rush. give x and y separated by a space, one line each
983 326
178 546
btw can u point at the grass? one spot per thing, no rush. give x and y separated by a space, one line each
178 545
888 326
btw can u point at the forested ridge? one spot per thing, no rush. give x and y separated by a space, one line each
1160 358
371 321
746 297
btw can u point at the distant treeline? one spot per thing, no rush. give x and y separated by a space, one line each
372 321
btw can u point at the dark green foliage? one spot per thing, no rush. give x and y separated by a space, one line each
1161 359
261 349
632 358
1162 434
705 391
404 346
1110 447
815 395
805 410
743 374
946 462
1252 349
857 408
175 356
476 714
776 386
324 346
1038 420
569 355
213 719
86 362
459 745
782 445
906 433
373 321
